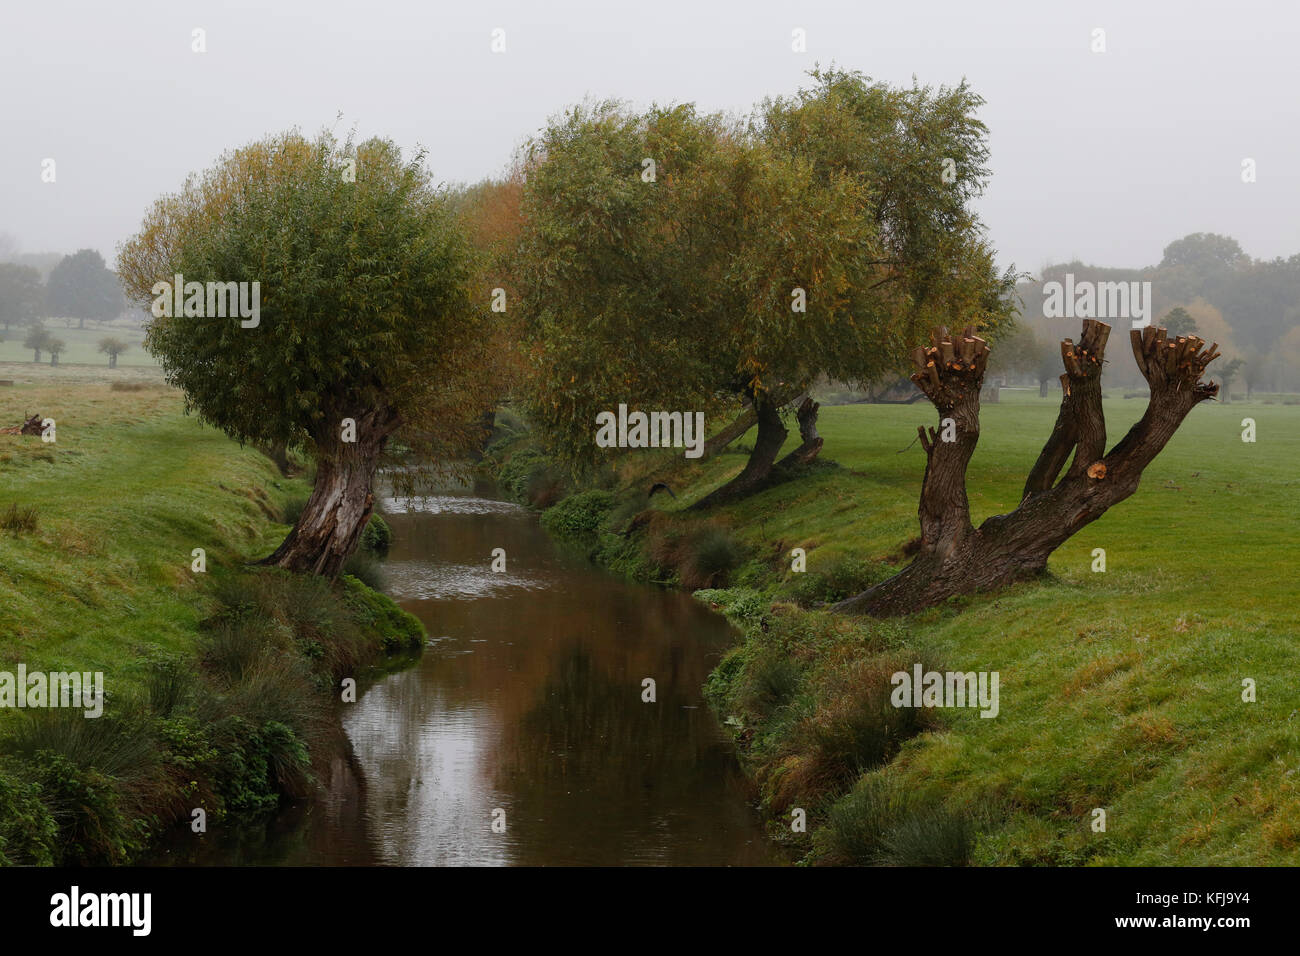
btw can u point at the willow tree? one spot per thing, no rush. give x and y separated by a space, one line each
674 260
367 332
954 556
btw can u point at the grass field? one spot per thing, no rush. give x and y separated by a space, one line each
1120 690
123 495
82 345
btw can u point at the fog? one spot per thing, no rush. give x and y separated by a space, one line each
1104 156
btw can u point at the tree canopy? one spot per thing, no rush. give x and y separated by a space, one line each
365 314
82 287
670 259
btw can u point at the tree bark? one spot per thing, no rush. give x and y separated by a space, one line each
341 500
812 442
771 436
743 422
955 558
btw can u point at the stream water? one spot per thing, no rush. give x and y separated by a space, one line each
526 706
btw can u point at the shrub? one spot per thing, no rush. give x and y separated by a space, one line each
712 554
256 761
701 556
843 579
28 834
117 745
377 537
168 682
578 516
86 808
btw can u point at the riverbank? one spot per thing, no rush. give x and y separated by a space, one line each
221 684
1120 690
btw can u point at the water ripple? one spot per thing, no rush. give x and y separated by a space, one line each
450 505
422 581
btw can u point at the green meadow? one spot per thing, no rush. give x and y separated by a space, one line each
123 495
82 345
1121 689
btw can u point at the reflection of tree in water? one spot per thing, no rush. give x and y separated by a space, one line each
655 781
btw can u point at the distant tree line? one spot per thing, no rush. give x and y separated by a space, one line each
1204 284
79 287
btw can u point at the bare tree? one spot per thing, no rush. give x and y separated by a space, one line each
954 557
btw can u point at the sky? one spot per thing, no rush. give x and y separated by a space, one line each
1101 156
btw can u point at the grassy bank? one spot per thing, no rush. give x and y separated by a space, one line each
220 685
1120 690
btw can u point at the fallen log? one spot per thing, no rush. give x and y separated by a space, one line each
31 426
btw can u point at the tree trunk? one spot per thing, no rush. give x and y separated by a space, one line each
112 360
771 436
487 421
742 423
37 360
341 501
954 557
1042 388
54 359
812 442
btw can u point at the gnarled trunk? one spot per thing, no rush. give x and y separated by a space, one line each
812 442
955 558
742 423
771 436
341 500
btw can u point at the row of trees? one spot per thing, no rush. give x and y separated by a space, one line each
80 287
1251 307
40 339
664 259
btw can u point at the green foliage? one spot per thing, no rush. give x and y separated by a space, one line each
28 833
93 829
846 577
837 192
22 294
364 304
366 568
377 537
929 837
396 629
293 507
257 764
82 287
579 516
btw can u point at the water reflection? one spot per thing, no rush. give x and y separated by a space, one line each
529 700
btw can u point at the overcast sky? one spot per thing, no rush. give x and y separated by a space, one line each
1102 156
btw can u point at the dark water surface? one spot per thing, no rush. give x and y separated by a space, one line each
527 700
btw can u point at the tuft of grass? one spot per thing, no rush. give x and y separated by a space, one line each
18 519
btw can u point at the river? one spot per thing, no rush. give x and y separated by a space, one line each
525 711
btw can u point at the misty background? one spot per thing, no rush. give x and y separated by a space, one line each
1103 157
1102 162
